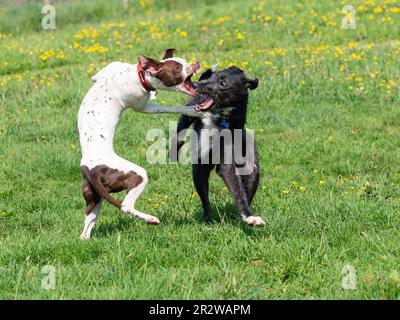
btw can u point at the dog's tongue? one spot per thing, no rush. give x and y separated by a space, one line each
205 105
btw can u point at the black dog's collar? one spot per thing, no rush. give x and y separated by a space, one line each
223 123
224 120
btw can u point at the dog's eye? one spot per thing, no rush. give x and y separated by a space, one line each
222 82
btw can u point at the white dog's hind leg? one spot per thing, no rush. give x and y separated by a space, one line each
128 205
90 221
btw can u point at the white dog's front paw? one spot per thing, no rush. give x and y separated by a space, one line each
152 220
255 221
84 236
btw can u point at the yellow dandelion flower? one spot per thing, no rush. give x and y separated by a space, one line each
312 29
239 36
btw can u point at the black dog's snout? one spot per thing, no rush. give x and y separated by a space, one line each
203 87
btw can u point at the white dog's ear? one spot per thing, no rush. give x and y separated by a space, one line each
150 65
169 53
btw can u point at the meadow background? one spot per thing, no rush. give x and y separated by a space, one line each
326 117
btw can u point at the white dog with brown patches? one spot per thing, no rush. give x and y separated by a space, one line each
117 87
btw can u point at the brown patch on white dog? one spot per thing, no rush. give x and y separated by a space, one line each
102 180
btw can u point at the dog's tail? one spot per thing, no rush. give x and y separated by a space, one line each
99 188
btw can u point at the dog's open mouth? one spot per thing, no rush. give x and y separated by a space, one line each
189 86
205 105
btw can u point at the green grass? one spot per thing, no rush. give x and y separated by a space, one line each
326 117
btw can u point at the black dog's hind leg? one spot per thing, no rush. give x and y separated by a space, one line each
178 140
238 192
201 173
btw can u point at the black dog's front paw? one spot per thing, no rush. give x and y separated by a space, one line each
254 221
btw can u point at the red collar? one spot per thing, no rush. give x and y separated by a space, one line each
142 78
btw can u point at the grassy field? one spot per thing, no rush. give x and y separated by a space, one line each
326 117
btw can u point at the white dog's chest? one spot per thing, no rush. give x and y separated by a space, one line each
115 89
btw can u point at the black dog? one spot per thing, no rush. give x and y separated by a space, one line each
222 99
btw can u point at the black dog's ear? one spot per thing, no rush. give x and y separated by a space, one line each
206 74
169 53
251 84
